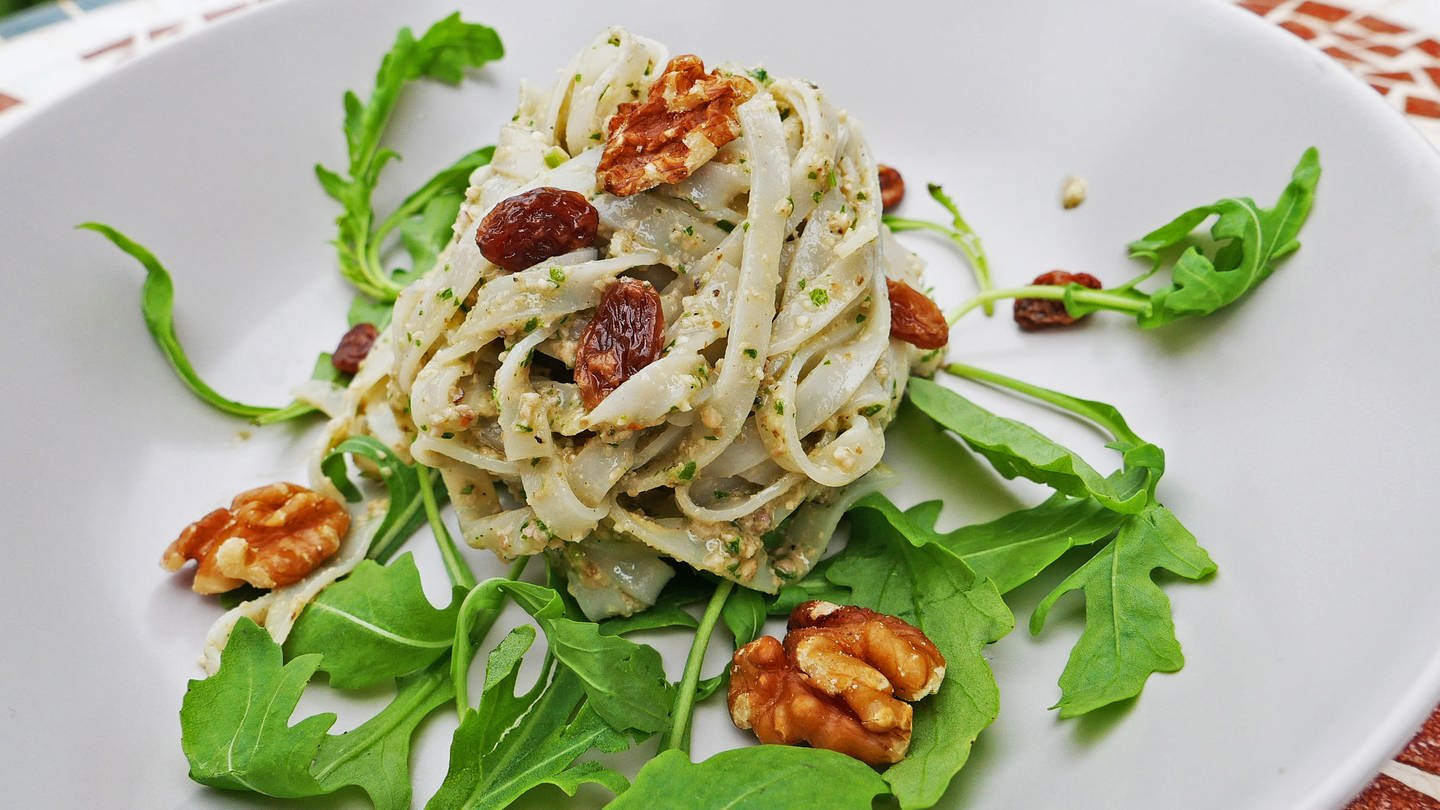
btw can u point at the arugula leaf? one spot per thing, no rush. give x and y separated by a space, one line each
443 53
364 309
157 305
375 755
236 732
427 217
1016 449
1259 238
762 777
374 626
960 233
235 725
1014 549
655 617
744 615
892 566
1128 632
1250 241
405 512
511 743
625 681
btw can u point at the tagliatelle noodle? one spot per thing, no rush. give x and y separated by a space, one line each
768 402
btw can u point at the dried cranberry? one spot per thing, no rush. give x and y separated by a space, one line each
536 225
354 347
624 336
1042 313
892 187
914 318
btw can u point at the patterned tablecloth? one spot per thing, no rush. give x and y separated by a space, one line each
49 50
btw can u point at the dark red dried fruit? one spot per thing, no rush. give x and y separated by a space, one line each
914 318
624 336
354 347
536 225
1041 313
892 187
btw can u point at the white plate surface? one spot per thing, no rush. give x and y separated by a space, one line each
1300 425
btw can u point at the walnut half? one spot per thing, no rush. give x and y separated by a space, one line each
687 116
270 537
840 681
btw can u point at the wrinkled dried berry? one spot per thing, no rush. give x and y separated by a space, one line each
536 225
892 187
354 347
624 336
914 318
1042 313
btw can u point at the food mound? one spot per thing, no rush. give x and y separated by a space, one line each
663 329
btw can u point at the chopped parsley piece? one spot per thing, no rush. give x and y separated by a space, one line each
819 297
687 472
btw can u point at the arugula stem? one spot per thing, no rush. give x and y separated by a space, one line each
483 603
1079 407
294 409
684 709
1101 299
384 546
455 566
959 232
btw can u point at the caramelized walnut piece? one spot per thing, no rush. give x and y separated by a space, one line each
270 537
536 225
354 347
840 681
914 318
1042 313
686 118
624 336
892 187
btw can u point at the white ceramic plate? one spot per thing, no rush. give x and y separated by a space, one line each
1299 425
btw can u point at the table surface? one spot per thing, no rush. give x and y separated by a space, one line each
49 50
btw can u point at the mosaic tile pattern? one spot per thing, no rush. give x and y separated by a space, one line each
1401 62
48 50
